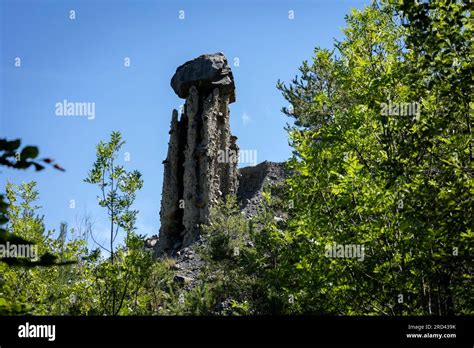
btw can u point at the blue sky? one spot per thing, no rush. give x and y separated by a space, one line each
82 60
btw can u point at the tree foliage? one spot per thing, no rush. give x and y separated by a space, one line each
60 288
400 185
374 218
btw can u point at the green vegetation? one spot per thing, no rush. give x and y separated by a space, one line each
42 290
401 185
382 163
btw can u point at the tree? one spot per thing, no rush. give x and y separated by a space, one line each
224 285
42 290
118 189
13 157
397 183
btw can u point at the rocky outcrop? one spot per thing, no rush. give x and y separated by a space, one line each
194 175
252 181
206 73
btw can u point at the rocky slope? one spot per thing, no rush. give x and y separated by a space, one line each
252 181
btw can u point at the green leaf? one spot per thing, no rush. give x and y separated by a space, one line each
29 152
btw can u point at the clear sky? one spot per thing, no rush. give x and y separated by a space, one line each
82 60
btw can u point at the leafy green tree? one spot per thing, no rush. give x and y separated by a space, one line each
118 190
439 72
11 156
41 290
399 184
222 279
118 187
158 293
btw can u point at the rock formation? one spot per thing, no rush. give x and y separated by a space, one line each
252 181
195 176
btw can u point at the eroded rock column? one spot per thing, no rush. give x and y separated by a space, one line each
201 166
